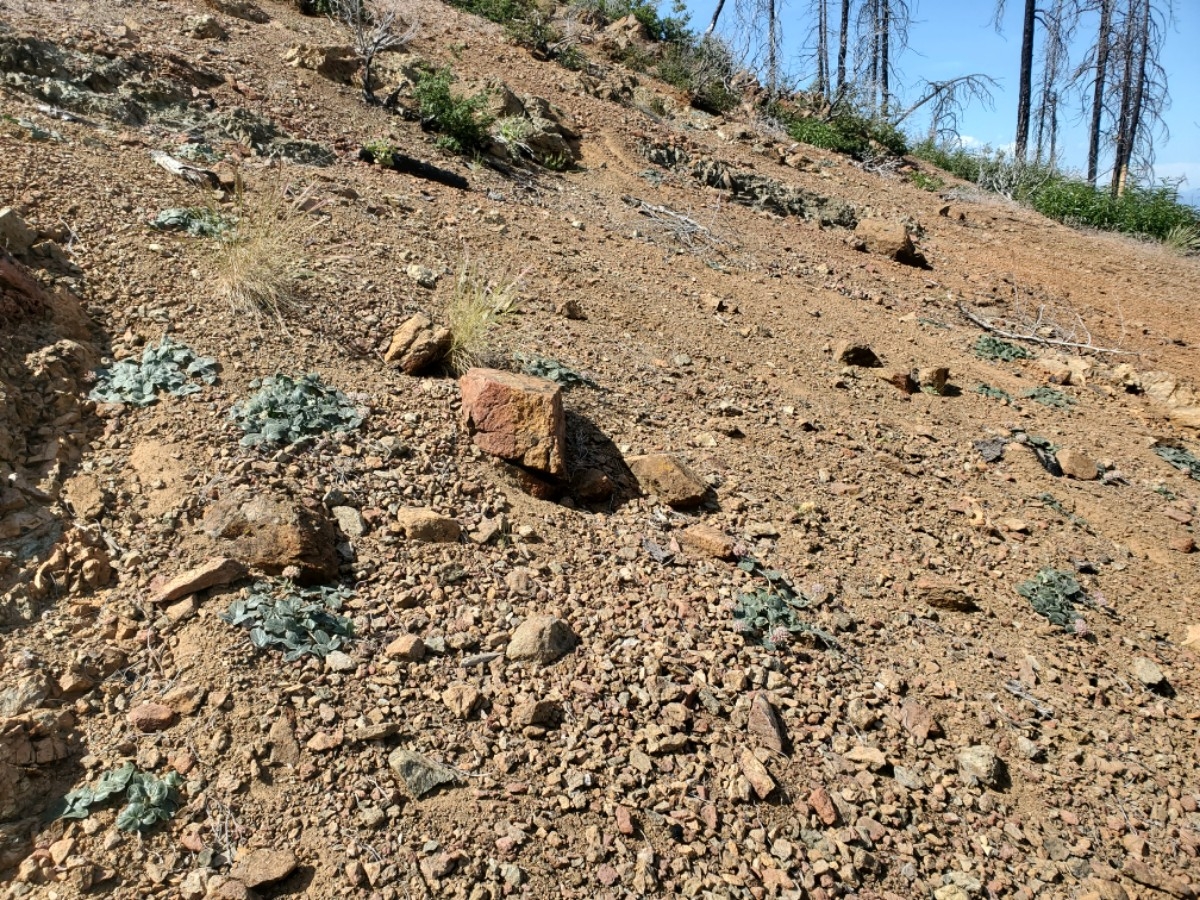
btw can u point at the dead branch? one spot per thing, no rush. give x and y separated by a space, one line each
1038 339
194 174
685 228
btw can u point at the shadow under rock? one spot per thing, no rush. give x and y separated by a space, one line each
599 476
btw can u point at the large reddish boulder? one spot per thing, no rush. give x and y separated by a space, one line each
518 418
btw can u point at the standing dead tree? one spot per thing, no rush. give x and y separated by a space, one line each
375 28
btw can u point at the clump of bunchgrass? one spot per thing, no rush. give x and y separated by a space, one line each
259 253
478 305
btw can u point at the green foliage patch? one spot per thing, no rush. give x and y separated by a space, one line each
1049 397
298 621
1054 595
1143 210
198 221
283 410
770 613
988 347
1180 458
553 370
460 122
167 366
149 799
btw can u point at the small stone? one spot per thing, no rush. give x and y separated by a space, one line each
205 28
1077 465
419 773
1148 672
422 275
980 765
823 806
542 639
872 757
624 820
899 379
951 892
706 540
426 525
756 773
889 239
263 866
417 345
324 741
943 595
669 478
215 572
150 717
570 308
15 236
852 353
461 699
933 378
350 521
1183 544
545 713
407 647
764 724
1159 881
339 661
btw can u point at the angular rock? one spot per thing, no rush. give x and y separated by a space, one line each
669 478
518 418
756 773
980 765
407 647
872 757
943 595
426 525
417 345
854 353
151 717
350 521
1147 672
899 379
540 713
241 9
889 239
204 28
219 571
285 749
1077 465
591 485
27 694
918 721
263 866
461 699
15 236
271 534
764 724
337 63
542 639
423 275
340 661
933 378
708 541
420 774
1159 881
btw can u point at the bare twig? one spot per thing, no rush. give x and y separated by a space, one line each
1037 339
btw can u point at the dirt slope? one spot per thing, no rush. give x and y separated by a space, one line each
673 754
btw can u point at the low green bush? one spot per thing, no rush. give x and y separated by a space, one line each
704 69
1147 211
844 132
461 122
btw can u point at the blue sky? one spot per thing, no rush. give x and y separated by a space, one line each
956 37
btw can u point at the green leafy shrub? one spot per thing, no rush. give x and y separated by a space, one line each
988 347
1149 211
499 11
461 123
298 621
198 221
845 132
1049 397
993 393
769 613
705 69
552 370
284 410
1054 595
168 366
382 152
927 182
1180 458
149 799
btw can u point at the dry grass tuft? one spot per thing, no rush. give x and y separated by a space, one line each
479 304
258 257
1183 239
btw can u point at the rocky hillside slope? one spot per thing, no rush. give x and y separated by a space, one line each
738 566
